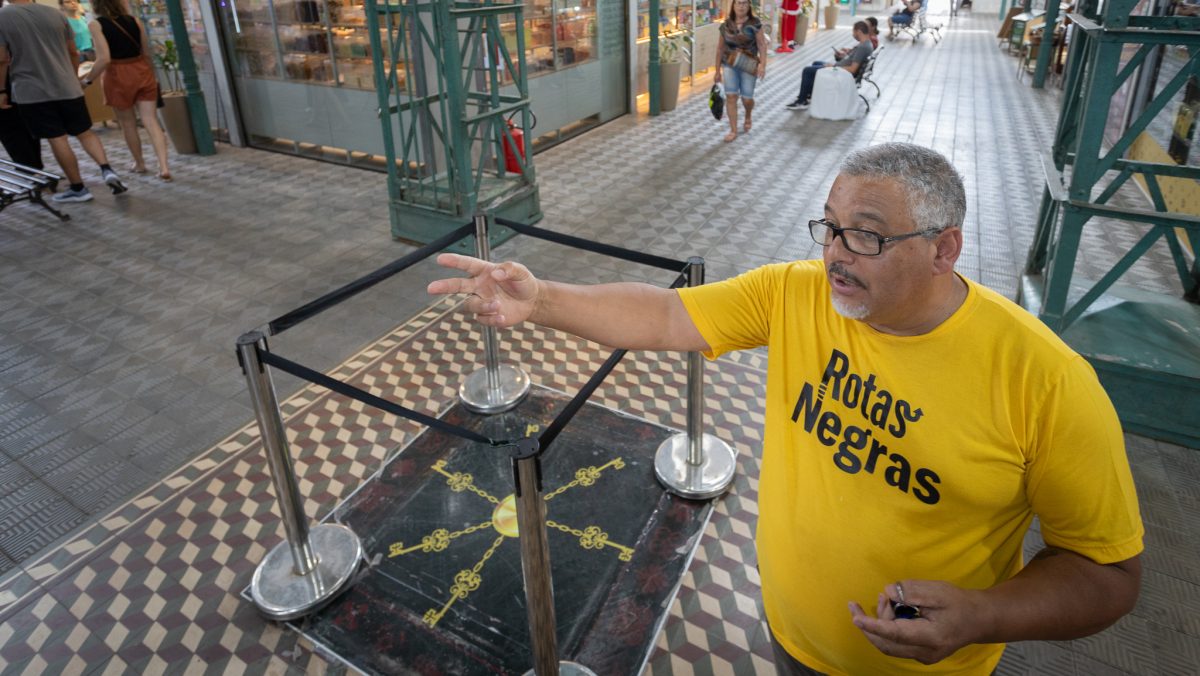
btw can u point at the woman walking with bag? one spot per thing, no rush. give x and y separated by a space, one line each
123 58
741 61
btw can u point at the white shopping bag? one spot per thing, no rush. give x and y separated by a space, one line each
834 95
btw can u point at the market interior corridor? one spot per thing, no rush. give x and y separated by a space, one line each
134 498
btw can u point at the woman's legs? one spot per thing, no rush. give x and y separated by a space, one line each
731 112
148 110
128 121
749 104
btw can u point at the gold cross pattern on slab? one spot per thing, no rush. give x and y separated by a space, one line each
504 522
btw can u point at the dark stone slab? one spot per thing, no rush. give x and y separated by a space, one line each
401 615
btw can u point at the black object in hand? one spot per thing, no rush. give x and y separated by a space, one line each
904 611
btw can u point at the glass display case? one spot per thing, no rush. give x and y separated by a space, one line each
153 14
558 34
698 17
709 11
311 41
673 15
676 15
352 45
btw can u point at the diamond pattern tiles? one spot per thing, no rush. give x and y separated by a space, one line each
152 584
144 587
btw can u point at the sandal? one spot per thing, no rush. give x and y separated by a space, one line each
730 136
746 126
134 169
165 176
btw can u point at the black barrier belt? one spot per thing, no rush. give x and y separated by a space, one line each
287 321
369 399
580 398
597 247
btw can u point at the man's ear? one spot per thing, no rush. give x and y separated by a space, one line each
948 245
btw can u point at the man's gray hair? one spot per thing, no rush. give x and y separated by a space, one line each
937 199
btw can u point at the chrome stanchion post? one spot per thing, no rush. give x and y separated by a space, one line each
313 565
535 564
496 387
694 464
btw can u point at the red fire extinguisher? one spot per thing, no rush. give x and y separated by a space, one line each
515 146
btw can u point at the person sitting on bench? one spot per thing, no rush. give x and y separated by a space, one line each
840 53
853 61
904 17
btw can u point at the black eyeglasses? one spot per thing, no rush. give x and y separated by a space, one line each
861 242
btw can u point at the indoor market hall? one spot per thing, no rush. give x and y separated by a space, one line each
238 435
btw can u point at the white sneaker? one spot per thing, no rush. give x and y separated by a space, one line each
68 195
114 182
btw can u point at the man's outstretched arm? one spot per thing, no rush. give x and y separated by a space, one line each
629 315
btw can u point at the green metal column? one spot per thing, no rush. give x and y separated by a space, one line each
201 127
1143 345
445 110
654 69
1047 46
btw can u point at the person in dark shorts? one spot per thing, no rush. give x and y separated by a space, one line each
20 145
37 52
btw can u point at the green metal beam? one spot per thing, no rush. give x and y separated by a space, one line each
653 68
1119 268
1158 168
1114 186
1047 46
442 70
1162 97
383 78
201 128
1152 30
1159 218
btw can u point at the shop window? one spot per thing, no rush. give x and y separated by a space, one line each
310 41
558 34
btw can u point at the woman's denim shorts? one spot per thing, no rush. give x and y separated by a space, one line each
738 82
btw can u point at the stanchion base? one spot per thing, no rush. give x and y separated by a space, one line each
281 594
475 394
568 669
697 482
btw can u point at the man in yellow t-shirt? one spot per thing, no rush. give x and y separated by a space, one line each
916 422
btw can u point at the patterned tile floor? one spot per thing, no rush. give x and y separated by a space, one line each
134 501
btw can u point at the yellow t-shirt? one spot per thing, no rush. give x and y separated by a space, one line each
923 457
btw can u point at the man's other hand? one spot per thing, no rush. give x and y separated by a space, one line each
502 294
948 617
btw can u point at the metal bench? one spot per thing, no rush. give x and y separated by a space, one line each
920 25
864 75
19 182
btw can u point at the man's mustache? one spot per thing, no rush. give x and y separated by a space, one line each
841 271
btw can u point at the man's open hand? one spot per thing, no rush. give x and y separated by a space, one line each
502 294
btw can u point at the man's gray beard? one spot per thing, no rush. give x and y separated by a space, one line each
855 312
